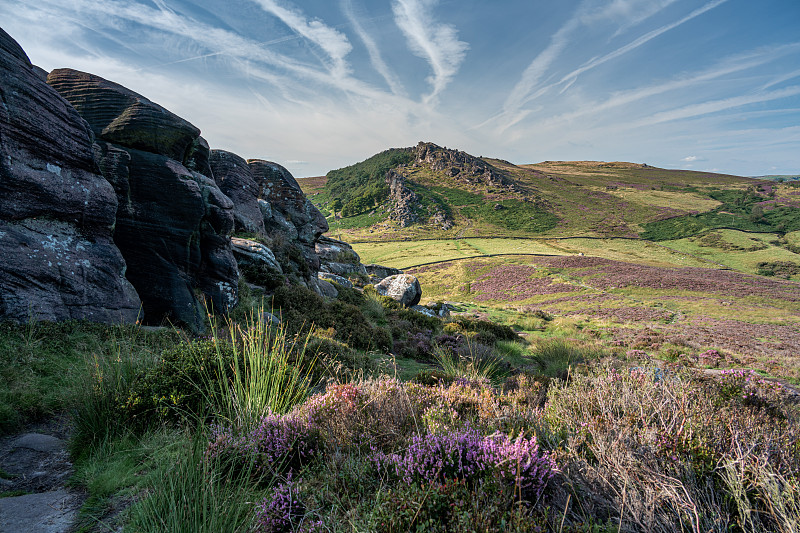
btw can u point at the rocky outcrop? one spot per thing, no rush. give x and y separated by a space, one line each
173 222
292 223
378 273
333 278
403 288
57 213
235 178
402 199
339 258
456 163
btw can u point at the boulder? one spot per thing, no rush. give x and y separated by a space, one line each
380 272
249 252
327 276
403 288
339 258
57 213
424 310
173 221
257 263
323 288
235 179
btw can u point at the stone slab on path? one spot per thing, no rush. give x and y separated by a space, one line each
37 465
44 512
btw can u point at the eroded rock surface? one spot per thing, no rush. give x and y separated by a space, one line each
173 222
235 179
339 258
57 213
292 223
403 288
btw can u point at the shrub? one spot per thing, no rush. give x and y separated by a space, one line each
276 445
302 308
171 389
466 455
284 512
260 274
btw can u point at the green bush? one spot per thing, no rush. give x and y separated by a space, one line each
261 275
302 308
489 331
173 387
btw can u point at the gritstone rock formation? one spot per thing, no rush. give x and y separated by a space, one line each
292 223
173 222
59 261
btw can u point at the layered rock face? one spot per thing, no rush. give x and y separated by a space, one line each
292 223
235 178
57 213
173 222
402 199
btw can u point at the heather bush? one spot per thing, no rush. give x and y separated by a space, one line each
466 455
284 512
665 450
452 507
276 445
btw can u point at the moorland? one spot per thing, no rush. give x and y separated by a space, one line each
620 353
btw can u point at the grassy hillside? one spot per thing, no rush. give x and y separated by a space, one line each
549 199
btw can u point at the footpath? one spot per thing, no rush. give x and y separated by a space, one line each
34 469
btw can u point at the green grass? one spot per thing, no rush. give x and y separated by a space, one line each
40 363
263 377
735 249
194 493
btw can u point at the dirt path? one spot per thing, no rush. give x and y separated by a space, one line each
34 468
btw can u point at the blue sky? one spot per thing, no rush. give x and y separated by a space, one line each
320 84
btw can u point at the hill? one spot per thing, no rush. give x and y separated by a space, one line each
434 192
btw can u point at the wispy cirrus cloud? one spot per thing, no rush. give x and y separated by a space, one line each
431 40
331 41
375 57
636 43
632 12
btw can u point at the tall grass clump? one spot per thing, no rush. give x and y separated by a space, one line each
267 373
470 361
555 358
198 493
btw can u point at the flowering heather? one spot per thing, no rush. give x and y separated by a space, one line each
515 283
276 444
284 512
469 456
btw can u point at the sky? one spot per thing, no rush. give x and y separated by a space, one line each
711 85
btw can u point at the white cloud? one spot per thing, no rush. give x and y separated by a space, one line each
431 40
334 43
692 159
633 11
372 49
